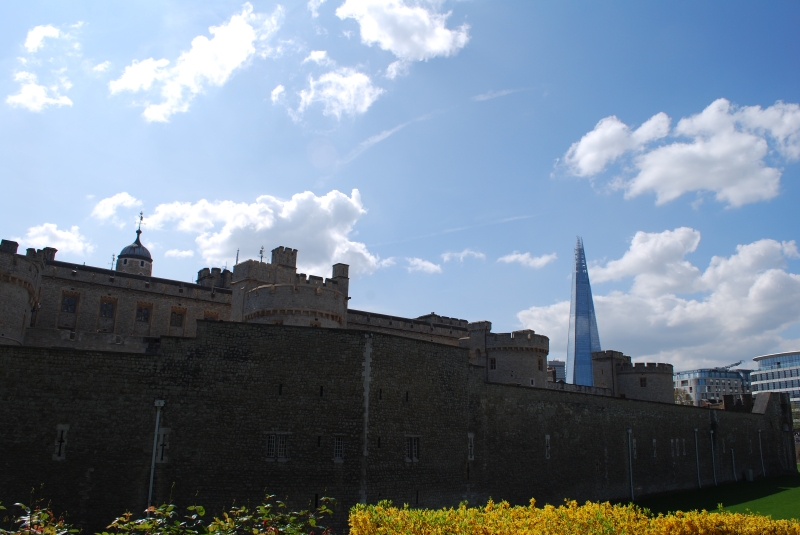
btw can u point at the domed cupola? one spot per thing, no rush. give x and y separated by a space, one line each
135 258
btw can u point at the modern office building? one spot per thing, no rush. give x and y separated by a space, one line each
560 368
708 385
779 372
583 336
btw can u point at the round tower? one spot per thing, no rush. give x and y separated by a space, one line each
135 258
275 293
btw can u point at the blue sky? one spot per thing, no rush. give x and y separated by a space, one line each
450 151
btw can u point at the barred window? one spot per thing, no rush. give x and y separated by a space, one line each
281 446
276 446
492 364
143 314
643 381
540 364
271 446
412 448
176 319
338 448
68 304
470 446
106 309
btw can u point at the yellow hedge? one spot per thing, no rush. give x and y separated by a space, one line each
568 519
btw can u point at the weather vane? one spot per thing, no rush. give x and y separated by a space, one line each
261 253
141 217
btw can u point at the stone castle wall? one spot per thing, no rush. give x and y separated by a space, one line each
430 328
92 286
236 385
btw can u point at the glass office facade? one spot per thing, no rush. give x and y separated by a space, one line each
583 336
710 384
779 372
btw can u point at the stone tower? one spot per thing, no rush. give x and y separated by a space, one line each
135 258
275 293
20 284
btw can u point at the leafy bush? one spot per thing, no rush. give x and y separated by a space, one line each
590 518
271 517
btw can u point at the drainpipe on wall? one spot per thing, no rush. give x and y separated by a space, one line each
159 403
697 458
713 462
761 453
630 462
733 461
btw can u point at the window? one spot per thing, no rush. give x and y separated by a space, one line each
276 447
643 382
125 261
106 309
69 303
176 319
60 452
338 449
162 445
533 382
143 314
492 364
547 446
412 449
470 446
540 365
141 263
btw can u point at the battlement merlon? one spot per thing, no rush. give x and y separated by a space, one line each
615 356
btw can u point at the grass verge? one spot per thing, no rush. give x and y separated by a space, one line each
778 497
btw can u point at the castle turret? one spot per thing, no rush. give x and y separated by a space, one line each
649 382
275 293
135 258
20 284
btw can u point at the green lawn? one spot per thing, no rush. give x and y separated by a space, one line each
778 497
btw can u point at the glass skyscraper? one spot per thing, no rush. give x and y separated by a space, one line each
583 336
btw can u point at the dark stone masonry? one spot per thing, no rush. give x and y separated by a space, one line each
307 412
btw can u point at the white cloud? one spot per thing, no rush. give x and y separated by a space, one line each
102 67
724 149
673 312
209 62
66 241
461 256
495 94
410 32
106 209
656 261
35 97
609 140
313 7
418 264
35 39
377 138
343 91
320 57
527 260
397 68
277 93
319 227
177 253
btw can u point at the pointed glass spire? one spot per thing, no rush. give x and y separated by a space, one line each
583 336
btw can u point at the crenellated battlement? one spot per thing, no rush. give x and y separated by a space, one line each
524 339
284 256
649 367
